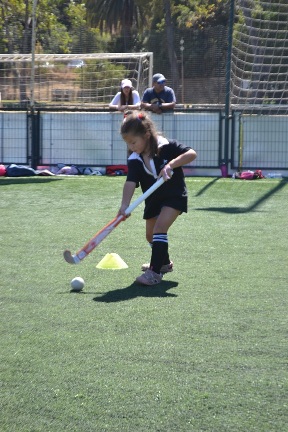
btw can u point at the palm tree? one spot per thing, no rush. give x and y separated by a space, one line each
116 16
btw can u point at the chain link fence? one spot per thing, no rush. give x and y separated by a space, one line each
197 72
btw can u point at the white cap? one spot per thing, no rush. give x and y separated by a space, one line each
126 83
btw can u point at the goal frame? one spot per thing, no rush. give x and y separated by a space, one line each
141 80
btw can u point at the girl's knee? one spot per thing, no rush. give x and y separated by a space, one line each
149 238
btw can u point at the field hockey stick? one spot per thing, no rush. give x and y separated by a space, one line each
100 235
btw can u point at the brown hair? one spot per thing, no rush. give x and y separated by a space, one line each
123 99
139 123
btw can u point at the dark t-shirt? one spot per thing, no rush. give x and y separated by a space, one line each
173 192
167 95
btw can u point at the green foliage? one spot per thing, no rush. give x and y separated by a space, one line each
12 25
61 27
267 22
65 26
204 350
114 15
124 19
84 38
106 25
96 72
200 14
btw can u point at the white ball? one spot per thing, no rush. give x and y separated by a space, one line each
77 283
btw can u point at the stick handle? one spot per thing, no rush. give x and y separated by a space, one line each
145 195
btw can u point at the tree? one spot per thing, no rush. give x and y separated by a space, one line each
117 17
171 43
52 36
83 38
200 14
17 23
16 30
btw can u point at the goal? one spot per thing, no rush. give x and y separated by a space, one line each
259 62
72 79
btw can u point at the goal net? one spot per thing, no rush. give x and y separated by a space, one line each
70 79
259 62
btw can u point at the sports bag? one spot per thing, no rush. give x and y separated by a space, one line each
114 170
249 175
3 171
19 171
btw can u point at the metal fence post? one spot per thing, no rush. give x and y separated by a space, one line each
225 161
35 139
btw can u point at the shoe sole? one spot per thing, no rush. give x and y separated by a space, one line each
163 272
149 278
147 284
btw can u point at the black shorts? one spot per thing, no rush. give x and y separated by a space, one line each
153 207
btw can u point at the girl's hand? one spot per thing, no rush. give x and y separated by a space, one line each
166 172
128 191
122 210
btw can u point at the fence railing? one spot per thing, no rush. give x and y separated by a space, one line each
93 138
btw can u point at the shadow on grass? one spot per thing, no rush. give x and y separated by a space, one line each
26 180
210 184
71 291
252 207
135 290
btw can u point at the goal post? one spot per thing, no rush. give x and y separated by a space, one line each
259 62
72 79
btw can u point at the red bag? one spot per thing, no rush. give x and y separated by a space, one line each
3 171
249 175
114 170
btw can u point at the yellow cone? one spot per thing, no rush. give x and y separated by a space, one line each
112 261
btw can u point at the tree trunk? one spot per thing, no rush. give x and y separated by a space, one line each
170 46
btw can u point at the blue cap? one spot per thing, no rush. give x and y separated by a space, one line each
159 78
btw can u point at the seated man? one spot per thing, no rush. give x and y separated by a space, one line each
159 98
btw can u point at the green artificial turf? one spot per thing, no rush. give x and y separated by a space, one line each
206 350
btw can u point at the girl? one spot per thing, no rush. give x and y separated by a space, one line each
126 98
153 156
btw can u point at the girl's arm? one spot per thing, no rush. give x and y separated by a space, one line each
114 104
136 102
128 191
129 107
183 159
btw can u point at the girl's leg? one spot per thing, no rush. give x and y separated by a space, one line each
161 226
150 223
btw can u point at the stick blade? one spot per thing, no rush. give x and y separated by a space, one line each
69 258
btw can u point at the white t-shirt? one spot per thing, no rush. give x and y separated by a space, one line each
117 98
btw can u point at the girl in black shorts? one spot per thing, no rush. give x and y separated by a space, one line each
153 156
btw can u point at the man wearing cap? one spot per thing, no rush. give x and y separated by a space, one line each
159 98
